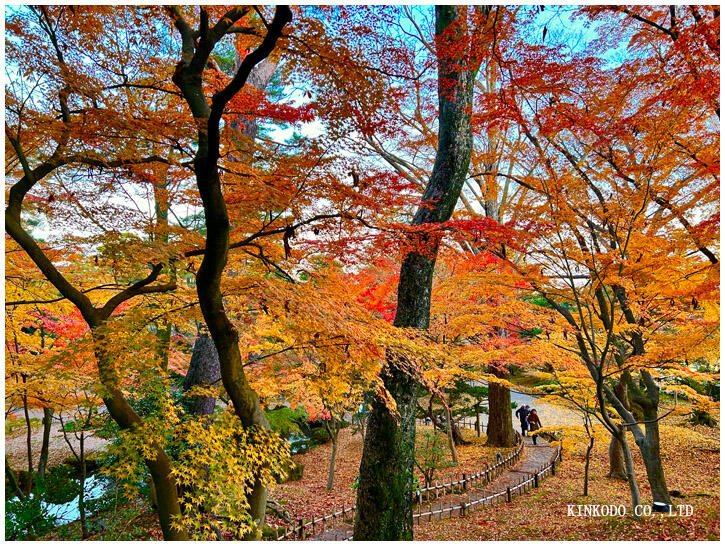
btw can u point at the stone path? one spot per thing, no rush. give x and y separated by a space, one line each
533 458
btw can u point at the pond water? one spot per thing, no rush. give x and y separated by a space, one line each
69 512
299 443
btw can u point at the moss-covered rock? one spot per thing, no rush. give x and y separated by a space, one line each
319 435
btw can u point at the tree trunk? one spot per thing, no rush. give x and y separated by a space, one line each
47 425
12 477
163 342
167 496
645 397
629 468
385 491
331 475
28 442
111 393
650 450
446 427
385 488
82 493
587 459
616 460
216 216
458 438
500 429
451 443
478 421
649 442
203 371
161 206
616 457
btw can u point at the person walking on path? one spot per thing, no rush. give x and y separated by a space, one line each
534 423
523 413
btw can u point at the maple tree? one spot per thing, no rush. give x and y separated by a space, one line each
385 490
487 202
459 197
605 175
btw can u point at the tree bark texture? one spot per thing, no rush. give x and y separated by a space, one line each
13 479
44 447
203 371
385 490
617 469
500 430
331 473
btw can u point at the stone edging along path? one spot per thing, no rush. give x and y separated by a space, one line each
515 475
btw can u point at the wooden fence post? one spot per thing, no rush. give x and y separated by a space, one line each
302 529
553 467
536 479
508 494
464 481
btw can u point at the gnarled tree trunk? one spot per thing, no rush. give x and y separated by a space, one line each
448 427
188 78
649 447
616 460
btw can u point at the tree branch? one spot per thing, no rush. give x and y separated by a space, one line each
138 288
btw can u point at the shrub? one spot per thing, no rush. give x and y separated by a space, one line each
26 519
60 487
701 417
319 435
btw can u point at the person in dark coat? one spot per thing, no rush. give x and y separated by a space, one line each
534 423
523 414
